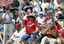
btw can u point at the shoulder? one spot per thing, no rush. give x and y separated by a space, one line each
15 32
11 13
37 18
44 17
4 13
35 22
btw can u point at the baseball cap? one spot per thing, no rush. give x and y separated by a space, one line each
18 25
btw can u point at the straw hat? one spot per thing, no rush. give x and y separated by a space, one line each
31 15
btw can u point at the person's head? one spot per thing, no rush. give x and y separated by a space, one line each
46 9
58 1
23 13
7 9
44 0
51 0
41 14
31 17
49 14
18 26
2 21
59 13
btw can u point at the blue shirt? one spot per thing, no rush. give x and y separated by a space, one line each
1 28
52 9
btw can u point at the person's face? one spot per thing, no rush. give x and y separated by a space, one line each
8 11
18 28
41 15
2 22
52 0
46 10
44 0
58 1
50 15
30 18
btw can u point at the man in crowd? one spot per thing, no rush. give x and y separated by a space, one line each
7 17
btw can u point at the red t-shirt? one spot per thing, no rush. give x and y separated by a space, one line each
30 26
58 26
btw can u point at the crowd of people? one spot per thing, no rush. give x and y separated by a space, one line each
36 24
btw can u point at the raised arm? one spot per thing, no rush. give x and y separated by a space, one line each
4 16
9 41
46 30
21 18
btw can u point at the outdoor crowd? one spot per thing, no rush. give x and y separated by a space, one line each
36 24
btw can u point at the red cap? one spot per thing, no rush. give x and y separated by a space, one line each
18 25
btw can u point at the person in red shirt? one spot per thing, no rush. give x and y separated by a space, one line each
31 28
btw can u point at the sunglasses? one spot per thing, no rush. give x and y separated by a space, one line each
31 17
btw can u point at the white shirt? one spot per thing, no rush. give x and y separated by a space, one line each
37 7
17 35
7 17
18 20
40 20
44 5
13 21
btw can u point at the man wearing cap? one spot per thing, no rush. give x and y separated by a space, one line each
31 28
16 37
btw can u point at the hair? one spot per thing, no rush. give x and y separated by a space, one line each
1 20
49 13
7 8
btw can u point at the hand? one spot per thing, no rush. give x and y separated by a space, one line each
35 32
7 12
41 25
6 43
16 12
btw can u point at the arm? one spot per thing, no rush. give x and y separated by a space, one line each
21 18
9 41
4 16
53 33
46 30
36 30
0 37
10 16
36 27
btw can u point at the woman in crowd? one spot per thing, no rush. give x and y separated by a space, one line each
49 31
31 28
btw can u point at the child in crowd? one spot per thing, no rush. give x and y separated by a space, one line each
16 37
